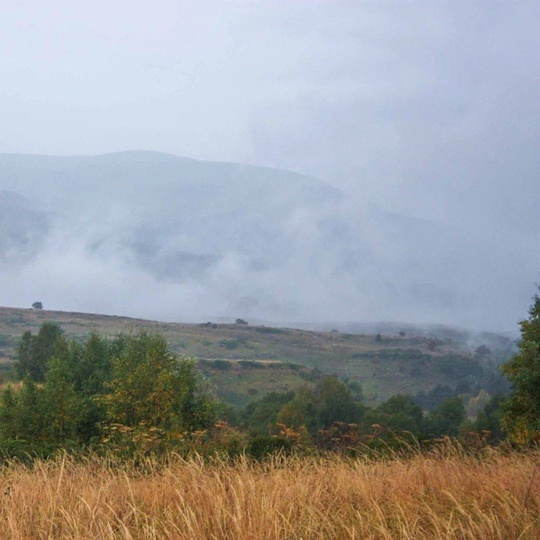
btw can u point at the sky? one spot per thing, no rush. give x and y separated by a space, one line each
425 108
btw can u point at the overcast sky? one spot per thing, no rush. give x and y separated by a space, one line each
428 108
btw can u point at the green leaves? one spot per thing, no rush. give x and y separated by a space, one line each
130 389
151 386
522 411
34 352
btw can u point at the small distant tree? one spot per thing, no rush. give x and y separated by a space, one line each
378 338
37 305
241 321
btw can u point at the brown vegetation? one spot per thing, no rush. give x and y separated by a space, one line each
441 495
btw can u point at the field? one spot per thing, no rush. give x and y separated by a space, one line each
264 359
444 494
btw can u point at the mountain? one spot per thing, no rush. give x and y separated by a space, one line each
166 237
22 228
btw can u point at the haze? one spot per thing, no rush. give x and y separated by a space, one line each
414 127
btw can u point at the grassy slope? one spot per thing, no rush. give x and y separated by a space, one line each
397 364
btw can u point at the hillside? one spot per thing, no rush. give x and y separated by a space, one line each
243 362
155 235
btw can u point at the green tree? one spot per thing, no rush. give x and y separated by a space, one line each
400 412
23 365
62 407
29 421
522 411
335 403
490 419
300 411
8 413
150 387
446 418
260 416
34 352
91 364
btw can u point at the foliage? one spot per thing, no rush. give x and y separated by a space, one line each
446 418
260 417
149 386
34 352
489 421
522 416
132 396
130 390
400 412
264 446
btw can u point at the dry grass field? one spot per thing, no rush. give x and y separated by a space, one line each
440 495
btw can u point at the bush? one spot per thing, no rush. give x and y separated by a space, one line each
265 446
222 365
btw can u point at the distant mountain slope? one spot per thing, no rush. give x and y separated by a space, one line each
22 228
160 236
176 219
261 359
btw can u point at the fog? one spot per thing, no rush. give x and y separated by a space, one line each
413 127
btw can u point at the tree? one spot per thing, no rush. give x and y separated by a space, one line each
522 411
446 418
260 416
29 421
335 403
150 387
8 413
37 305
91 364
300 411
34 352
62 407
491 418
400 412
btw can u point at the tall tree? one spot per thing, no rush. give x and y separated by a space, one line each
522 411
30 422
34 352
61 406
150 386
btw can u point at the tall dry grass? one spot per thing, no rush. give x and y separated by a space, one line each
441 495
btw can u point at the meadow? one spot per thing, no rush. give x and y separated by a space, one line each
444 493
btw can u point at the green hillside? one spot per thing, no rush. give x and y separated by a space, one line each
243 362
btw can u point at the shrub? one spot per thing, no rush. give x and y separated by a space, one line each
265 446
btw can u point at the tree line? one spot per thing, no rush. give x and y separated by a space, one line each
131 394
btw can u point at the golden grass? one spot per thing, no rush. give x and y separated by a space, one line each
424 497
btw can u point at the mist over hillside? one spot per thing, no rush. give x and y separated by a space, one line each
160 236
